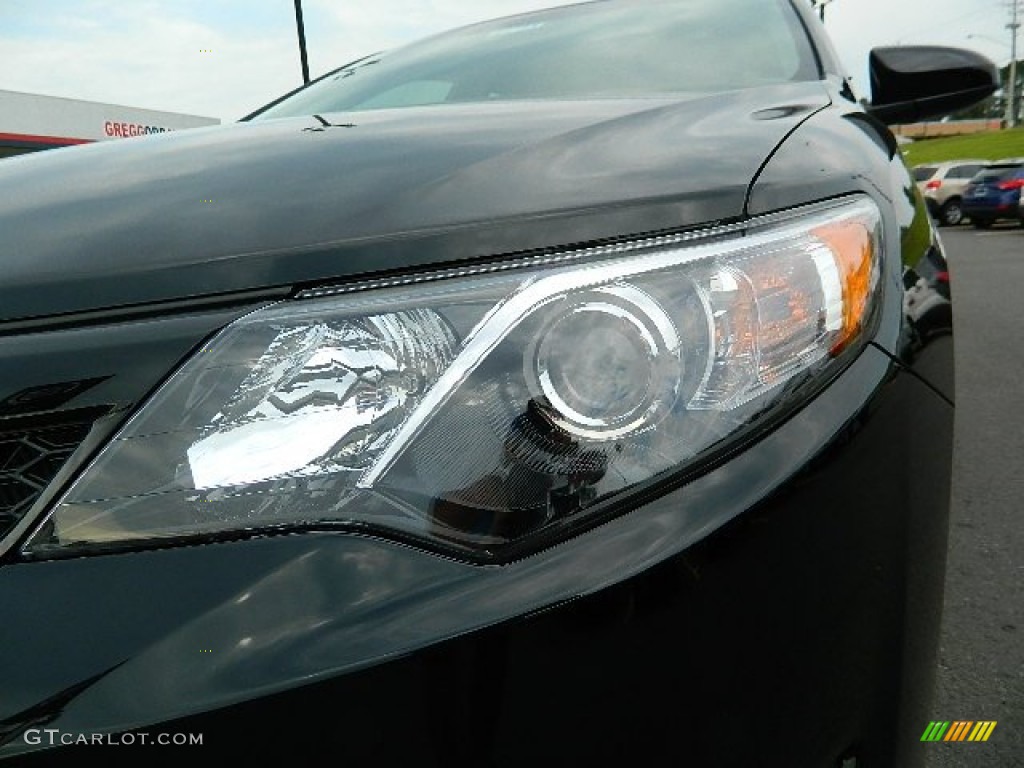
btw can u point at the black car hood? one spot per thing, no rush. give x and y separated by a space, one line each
294 201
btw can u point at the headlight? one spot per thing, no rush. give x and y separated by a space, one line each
479 412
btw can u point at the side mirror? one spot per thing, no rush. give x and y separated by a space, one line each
917 82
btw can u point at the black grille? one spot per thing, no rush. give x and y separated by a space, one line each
30 457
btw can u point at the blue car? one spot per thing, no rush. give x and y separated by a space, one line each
994 194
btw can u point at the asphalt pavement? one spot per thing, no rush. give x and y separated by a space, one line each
981 657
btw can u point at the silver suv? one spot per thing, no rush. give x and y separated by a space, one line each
943 185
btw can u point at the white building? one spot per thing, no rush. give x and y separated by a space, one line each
30 122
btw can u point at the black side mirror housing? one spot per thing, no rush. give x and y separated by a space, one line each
914 83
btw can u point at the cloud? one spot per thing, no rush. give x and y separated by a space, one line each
153 55
150 54
857 26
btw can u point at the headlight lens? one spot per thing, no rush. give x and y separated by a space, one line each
479 412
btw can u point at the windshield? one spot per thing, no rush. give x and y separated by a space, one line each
924 173
598 50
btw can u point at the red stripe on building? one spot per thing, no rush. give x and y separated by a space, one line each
54 141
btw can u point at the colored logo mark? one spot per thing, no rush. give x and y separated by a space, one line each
959 730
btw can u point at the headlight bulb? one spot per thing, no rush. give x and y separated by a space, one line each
608 363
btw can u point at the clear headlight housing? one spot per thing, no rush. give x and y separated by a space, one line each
481 412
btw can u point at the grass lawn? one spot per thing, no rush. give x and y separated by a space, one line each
983 146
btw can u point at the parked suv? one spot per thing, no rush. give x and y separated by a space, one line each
994 194
943 187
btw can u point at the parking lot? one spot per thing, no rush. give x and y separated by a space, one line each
981 662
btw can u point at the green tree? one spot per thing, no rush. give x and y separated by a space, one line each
994 107
1004 78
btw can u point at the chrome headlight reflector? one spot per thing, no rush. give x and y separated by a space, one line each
478 412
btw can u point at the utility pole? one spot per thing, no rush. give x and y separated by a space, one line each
1011 97
302 41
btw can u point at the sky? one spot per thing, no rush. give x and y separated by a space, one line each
224 58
